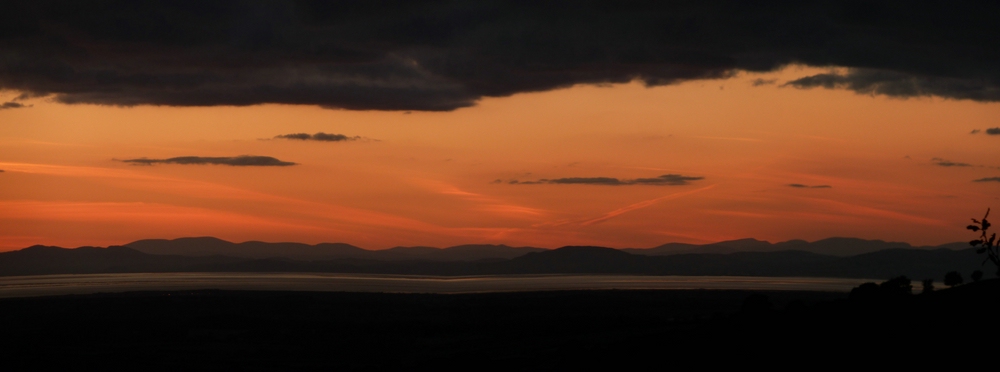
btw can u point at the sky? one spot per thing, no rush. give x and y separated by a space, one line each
384 124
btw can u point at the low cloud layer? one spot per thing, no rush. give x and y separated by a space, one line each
664 180
988 179
237 161
324 137
436 55
801 186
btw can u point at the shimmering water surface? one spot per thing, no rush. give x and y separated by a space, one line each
40 285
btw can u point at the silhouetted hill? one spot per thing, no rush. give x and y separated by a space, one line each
572 260
914 263
209 246
841 247
467 252
41 260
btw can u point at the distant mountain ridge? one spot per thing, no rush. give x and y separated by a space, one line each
208 255
209 246
837 246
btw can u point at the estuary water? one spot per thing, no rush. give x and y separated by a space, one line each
44 285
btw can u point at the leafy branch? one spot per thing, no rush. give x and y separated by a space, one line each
986 243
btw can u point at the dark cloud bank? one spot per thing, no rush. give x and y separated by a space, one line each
443 55
239 161
988 179
993 131
323 137
664 180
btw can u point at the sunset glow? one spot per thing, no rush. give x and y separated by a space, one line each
777 162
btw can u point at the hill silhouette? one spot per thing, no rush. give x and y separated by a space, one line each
41 260
841 247
209 246
481 260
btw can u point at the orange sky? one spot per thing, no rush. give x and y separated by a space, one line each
427 178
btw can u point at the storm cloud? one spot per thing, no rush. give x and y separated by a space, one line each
324 137
664 180
237 161
438 55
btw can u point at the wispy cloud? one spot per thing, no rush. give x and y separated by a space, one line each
948 163
239 161
11 105
664 180
323 137
640 205
974 131
900 84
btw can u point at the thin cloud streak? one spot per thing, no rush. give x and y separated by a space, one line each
664 180
347 217
236 161
321 137
801 186
642 204
869 212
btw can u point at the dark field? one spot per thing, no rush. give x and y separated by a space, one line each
257 330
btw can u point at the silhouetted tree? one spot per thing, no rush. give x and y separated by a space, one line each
987 244
898 286
976 275
952 278
928 286
864 292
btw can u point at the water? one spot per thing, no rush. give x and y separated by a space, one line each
42 285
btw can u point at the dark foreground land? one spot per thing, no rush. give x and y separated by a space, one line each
563 330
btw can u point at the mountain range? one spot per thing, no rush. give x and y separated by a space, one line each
836 257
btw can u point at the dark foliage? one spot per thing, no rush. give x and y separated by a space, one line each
952 278
986 242
898 286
